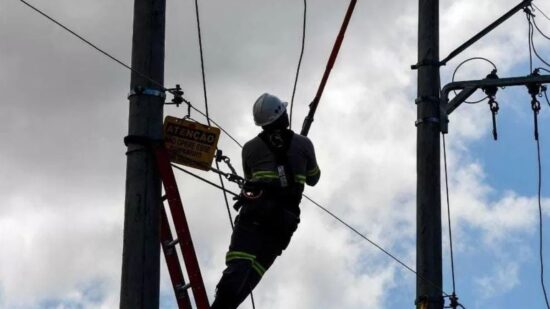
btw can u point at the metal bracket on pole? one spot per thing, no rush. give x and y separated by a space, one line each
147 91
468 87
482 33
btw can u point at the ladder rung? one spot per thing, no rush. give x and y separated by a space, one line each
171 244
182 288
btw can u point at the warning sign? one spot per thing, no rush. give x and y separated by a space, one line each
190 143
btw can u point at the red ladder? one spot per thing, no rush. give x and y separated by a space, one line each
183 238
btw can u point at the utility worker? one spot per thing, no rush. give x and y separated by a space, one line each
277 163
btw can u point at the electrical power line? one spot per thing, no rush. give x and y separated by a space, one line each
532 48
539 187
94 46
539 10
207 115
299 62
448 210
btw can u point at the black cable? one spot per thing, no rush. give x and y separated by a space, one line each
468 60
449 213
219 127
94 46
299 63
540 31
207 115
376 245
202 62
206 103
204 179
532 48
540 224
538 9
530 38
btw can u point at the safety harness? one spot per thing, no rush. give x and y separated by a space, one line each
278 142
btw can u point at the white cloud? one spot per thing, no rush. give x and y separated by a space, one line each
502 279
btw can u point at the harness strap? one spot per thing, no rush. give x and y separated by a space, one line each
278 142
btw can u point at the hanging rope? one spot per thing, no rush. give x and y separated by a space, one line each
299 63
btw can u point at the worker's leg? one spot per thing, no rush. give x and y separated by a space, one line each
238 280
243 272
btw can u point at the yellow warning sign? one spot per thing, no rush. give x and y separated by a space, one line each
190 143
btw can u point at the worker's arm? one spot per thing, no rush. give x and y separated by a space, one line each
313 173
246 169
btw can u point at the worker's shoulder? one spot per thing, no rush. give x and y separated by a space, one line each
301 140
253 144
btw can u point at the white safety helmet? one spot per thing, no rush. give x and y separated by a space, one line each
267 109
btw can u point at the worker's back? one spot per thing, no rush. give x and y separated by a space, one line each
260 162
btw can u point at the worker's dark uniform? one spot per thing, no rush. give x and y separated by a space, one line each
276 166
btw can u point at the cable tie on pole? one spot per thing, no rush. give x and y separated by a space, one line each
425 63
139 90
433 120
431 99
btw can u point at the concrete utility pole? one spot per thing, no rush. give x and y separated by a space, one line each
428 194
141 247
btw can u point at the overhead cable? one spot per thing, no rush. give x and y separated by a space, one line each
375 244
299 62
539 189
204 180
453 297
539 10
206 103
207 115
95 46
532 48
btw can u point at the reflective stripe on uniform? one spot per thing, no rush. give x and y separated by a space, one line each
314 171
265 175
239 255
301 179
